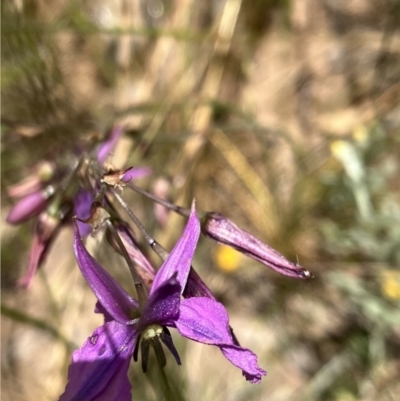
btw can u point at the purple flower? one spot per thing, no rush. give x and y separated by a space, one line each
99 368
224 231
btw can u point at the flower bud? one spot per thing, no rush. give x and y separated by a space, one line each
143 266
29 206
224 231
34 182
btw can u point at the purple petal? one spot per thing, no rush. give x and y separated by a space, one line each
196 287
99 368
136 173
246 360
206 321
82 204
224 231
180 259
162 307
108 146
29 206
114 299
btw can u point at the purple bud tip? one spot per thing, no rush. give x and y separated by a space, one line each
136 173
108 146
29 206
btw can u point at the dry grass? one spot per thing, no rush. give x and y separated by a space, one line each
235 104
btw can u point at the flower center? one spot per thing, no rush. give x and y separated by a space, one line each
151 337
152 331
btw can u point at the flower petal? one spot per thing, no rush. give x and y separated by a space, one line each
246 360
162 307
82 204
99 368
108 146
180 258
110 294
196 287
135 173
206 321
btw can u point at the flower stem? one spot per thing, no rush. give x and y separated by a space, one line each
140 290
160 251
183 211
141 293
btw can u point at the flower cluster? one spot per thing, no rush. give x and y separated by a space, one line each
82 193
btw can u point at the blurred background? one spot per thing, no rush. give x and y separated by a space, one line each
283 115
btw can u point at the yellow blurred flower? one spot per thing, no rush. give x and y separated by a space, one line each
227 258
391 284
360 133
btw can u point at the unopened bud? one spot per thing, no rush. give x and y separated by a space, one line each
143 266
29 206
224 231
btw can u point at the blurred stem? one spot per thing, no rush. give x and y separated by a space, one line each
166 385
183 211
21 317
324 378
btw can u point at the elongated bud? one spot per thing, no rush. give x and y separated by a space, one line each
143 266
34 182
30 206
224 231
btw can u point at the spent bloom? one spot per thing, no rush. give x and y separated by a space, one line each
99 368
224 231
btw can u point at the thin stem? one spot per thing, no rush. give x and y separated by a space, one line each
160 251
100 195
71 174
142 296
183 211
